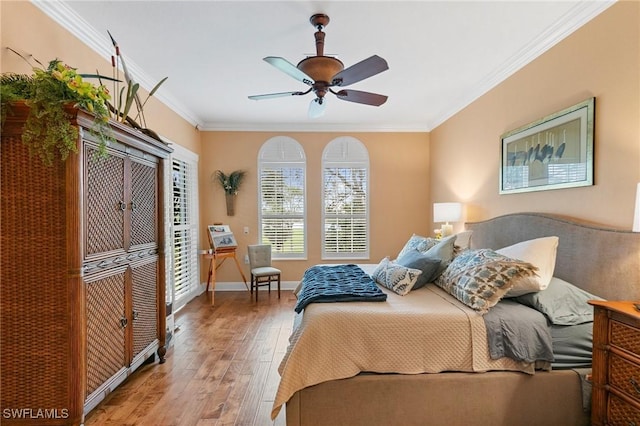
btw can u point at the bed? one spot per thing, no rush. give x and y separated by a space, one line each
604 262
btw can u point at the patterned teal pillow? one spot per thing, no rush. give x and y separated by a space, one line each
416 242
480 278
397 278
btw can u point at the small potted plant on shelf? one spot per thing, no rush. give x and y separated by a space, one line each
50 93
231 184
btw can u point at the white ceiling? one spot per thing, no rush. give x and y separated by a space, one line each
442 54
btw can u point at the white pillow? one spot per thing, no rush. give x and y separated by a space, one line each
540 252
463 239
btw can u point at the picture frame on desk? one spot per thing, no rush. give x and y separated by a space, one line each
219 229
224 241
221 237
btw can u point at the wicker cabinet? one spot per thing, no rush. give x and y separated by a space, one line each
616 364
83 291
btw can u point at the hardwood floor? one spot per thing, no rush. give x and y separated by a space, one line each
221 369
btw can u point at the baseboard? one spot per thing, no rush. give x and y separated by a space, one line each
239 286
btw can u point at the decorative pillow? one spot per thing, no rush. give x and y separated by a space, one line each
429 265
397 278
540 252
562 303
463 239
416 242
480 278
443 250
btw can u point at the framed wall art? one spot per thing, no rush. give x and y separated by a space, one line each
551 153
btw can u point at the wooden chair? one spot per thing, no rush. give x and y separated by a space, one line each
262 273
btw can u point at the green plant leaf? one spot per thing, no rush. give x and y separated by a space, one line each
156 87
99 76
131 94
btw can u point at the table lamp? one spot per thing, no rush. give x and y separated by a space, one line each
447 212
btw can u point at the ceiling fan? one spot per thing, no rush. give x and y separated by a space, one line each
322 73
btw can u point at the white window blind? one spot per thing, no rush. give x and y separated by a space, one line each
185 230
282 202
345 196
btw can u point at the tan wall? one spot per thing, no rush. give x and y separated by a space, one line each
29 31
399 191
458 161
601 59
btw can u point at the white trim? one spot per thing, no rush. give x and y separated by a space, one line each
187 156
576 17
316 127
290 155
573 19
66 17
182 153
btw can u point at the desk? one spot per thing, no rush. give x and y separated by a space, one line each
221 255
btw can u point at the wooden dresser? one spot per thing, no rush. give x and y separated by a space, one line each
83 272
616 364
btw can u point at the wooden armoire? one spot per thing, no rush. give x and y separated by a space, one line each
82 291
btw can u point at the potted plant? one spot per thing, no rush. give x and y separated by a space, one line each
231 184
50 93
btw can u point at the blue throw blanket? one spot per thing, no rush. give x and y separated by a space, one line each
341 283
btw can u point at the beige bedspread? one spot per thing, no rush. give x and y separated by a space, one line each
426 331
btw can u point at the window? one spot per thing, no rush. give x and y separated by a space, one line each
282 202
184 225
345 200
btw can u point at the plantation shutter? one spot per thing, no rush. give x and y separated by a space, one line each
345 200
282 197
185 231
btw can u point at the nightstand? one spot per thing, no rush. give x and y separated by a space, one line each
616 364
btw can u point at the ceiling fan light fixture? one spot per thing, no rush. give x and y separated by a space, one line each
317 107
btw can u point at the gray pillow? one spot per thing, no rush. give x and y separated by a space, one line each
417 242
443 251
429 266
561 302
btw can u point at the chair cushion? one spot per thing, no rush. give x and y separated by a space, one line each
265 270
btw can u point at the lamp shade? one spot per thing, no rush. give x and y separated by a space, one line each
447 212
636 215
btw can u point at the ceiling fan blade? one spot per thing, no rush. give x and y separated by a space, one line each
317 107
363 69
288 68
276 95
360 97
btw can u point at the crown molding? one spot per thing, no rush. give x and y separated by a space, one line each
573 19
101 44
576 17
314 127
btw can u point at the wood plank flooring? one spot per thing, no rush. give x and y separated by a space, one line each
221 369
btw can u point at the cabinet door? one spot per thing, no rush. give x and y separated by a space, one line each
105 208
144 188
144 285
106 327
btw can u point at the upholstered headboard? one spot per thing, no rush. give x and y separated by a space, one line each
604 262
